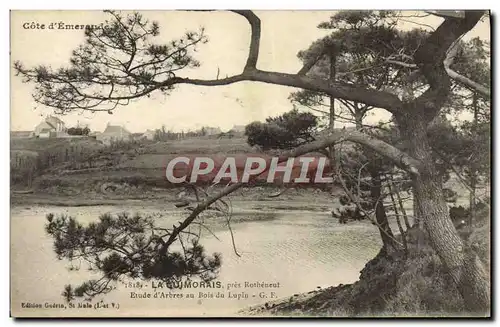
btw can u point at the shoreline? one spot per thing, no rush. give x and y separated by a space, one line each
291 199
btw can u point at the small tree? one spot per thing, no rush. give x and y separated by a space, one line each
78 131
124 246
287 131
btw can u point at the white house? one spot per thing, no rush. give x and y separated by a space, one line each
50 127
238 130
212 130
149 135
114 133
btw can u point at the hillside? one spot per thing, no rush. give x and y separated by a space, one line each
86 164
32 157
134 169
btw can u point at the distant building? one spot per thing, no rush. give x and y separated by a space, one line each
50 127
149 135
212 130
114 133
137 136
238 130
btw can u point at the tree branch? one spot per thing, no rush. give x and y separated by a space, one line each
431 55
72 90
452 52
399 158
371 97
253 53
428 58
309 64
434 48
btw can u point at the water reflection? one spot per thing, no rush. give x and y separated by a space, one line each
299 249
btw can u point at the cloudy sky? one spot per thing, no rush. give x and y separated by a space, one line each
284 33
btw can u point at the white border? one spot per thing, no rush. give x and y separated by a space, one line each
184 4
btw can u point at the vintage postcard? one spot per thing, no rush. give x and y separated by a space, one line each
250 163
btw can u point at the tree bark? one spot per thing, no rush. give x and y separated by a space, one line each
358 117
463 265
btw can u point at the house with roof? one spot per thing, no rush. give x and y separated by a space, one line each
114 133
212 130
149 135
50 127
137 136
238 130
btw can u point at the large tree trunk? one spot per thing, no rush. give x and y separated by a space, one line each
463 265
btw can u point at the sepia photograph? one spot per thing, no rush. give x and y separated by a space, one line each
250 163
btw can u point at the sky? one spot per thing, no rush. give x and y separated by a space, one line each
188 107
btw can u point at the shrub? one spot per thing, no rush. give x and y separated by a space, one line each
283 132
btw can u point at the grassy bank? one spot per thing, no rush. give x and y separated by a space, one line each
82 163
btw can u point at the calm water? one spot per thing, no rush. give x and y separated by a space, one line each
301 250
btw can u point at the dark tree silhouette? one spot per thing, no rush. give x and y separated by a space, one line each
78 131
124 246
286 131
